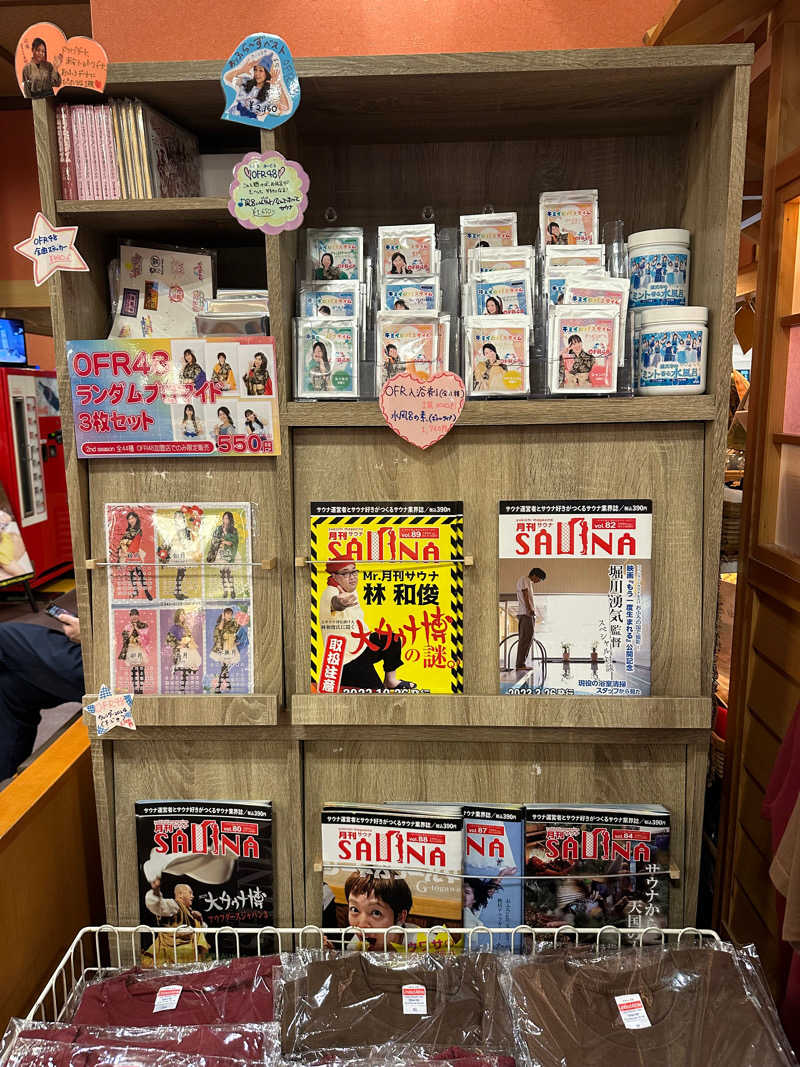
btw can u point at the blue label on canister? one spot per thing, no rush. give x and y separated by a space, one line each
658 279
670 357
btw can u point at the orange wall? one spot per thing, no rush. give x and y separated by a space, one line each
211 29
19 191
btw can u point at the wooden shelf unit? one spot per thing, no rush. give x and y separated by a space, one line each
661 135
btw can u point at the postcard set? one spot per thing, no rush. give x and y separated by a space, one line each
179 595
335 254
407 342
613 291
407 250
326 358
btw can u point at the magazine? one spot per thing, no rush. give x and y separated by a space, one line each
180 596
597 865
386 867
575 597
386 602
202 863
494 859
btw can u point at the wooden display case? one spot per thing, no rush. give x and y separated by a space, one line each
661 135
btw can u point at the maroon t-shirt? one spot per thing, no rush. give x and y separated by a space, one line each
239 991
36 1053
253 1042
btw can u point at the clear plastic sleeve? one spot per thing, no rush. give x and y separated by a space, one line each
253 1042
660 1006
496 355
407 250
335 254
406 341
30 1052
326 358
238 991
408 1055
569 217
366 999
496 230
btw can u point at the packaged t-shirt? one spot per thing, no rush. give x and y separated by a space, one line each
368 999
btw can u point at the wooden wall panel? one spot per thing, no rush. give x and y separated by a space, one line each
484 466
233 765
760 749
640 179
369 770
772 695
747 927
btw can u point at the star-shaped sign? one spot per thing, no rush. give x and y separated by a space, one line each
110 710
51 248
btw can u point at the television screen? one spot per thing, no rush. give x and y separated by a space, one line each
12 342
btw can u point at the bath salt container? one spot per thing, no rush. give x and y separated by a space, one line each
659 267
672 350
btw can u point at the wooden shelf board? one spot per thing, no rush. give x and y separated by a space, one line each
197 710
790 320
563 713
191 214
424 97
517 412
786 439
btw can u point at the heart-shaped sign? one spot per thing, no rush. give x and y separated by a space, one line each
422 412
46 62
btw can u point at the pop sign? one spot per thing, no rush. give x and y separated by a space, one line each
422 412
268 192
46 62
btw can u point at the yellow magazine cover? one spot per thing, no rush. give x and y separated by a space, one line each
387 598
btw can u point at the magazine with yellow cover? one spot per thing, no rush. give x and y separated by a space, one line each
387 597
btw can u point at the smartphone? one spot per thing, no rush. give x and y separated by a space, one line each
57 612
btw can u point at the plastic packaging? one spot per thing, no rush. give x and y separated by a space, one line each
37 1053
367 999
506 292
253 1042
338 300
486 260
583 349
407 250
239 991
326 358
672 349
496 355
574 256
606 291
335 254
569 217
660 1006
410 294
659 262
498 230
405 341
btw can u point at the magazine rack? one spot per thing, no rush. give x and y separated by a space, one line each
662 136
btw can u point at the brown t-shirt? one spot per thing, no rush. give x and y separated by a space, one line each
352 1002
705 1007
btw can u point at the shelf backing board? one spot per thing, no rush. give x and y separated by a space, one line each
661 134
417 769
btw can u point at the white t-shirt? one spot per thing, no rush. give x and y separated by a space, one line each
524 584
343 623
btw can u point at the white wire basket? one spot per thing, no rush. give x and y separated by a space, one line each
100 951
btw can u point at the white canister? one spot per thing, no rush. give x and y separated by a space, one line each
659 267
672 350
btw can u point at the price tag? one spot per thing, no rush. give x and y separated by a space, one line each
415 1000
631 1011
167 998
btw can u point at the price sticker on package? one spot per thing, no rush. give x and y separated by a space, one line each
415 1000
632 1013
167 998
268 192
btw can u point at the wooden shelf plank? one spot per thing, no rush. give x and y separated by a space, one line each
567 713
179 711
786 439
173 214
517 412
790 320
